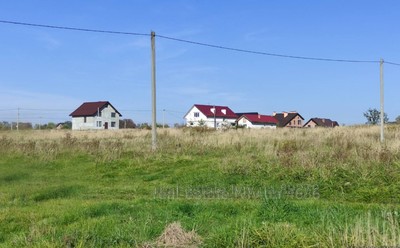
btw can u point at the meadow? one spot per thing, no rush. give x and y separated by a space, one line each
238 188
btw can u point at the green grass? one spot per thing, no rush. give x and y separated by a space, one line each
283 188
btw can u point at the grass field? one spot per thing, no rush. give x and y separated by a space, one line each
240 188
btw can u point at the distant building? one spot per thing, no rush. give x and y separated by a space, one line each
257 121
289 119
95 115
321 122
210 115
60 125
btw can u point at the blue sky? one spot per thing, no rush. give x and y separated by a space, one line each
48 73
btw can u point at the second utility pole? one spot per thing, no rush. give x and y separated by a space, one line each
153 92
382 102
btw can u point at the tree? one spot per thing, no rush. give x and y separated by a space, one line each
67 125
127 123
374 116
202 123
5 125
144 125
398 119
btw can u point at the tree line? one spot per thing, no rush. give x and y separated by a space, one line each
123 124
373 117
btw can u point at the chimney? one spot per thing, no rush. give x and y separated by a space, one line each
285 114
273 113
259 116
323 120
223 111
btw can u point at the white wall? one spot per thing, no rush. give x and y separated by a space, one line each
192 121
248 124
91 121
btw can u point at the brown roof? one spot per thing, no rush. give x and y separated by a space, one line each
323 122
283 121
91 109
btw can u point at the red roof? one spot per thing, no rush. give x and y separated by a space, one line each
91 108
253 118
206 110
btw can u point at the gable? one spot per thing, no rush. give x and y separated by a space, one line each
285 120
220 111
259 119
92 109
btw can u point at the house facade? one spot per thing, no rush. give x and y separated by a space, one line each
289 119
321 122
95 116
257 121
211 116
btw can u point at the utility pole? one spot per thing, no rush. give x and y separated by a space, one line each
215 120
163 118
153 92
18 120
382 102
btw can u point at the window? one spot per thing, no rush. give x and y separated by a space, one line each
84 119
299 122
113 115
196 114
98 123
113 123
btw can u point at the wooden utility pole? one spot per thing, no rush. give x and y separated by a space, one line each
382 102
18 120
153 92
163 118
215 120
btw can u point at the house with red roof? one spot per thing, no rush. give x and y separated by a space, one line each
257 121
211 116
95 115
321 122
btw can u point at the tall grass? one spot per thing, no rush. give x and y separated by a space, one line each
97 188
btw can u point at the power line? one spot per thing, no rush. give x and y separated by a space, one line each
268 54
391 63
72 28
196 43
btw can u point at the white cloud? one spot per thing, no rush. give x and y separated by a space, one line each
260 35
48 41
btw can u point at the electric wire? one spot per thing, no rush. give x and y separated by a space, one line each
72 28
268 54
196 43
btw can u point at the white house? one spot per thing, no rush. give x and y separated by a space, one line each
95 115
257 121
210 115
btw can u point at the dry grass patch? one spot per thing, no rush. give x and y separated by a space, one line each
175 236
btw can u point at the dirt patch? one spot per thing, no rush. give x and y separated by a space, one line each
175 236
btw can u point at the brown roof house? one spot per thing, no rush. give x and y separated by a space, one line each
289 119
95 115
321 122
